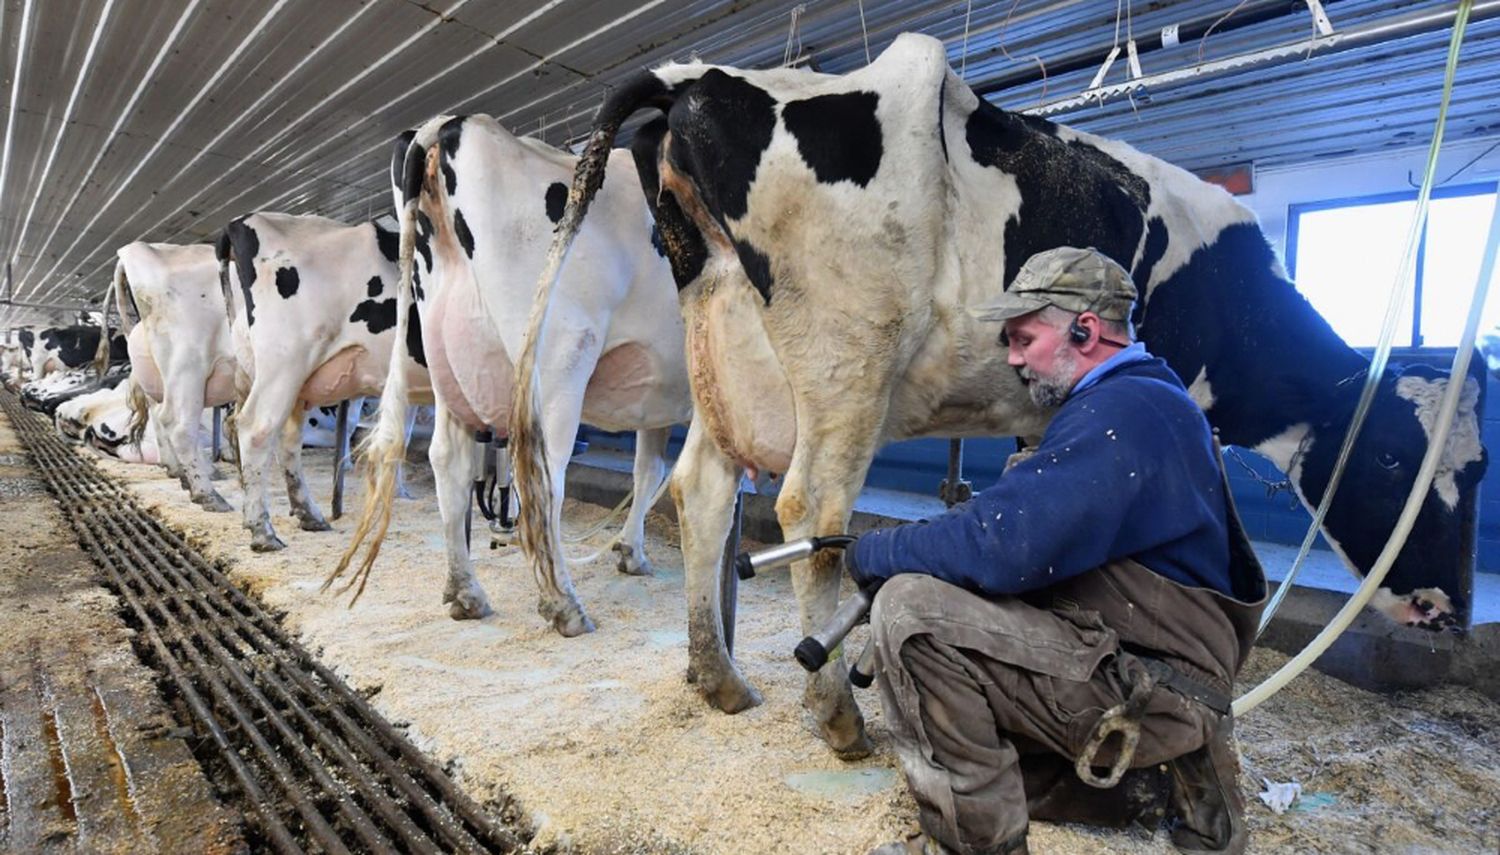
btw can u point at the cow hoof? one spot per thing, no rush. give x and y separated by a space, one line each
213 502
632 563
568 619
730 694
844 731
313 524
267 543
465 608
466 602
857 749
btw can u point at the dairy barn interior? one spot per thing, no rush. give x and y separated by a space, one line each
177 673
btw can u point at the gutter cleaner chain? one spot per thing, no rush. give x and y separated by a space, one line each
814 651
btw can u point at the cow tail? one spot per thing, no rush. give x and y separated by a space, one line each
528 443
140 413
101 354
384 449
223 251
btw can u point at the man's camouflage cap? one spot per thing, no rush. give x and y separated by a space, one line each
1072 279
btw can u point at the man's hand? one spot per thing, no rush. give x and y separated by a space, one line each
865 582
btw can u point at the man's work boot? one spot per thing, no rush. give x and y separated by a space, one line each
1208 807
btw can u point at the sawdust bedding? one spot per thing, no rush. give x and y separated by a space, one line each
607 749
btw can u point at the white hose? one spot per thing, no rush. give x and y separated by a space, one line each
618 534
1456 378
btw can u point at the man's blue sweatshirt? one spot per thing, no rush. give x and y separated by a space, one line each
1126 469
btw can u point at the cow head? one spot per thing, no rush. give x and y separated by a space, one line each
1427 586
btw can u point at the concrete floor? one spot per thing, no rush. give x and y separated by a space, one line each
91 761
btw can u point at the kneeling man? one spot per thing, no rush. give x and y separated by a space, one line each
1064 645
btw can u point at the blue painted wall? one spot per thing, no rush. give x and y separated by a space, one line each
919 466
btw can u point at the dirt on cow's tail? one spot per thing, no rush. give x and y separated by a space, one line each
528 441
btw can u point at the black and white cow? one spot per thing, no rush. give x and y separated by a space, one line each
827 234
312 308
62 348
102 420
172 313
478 205
48 393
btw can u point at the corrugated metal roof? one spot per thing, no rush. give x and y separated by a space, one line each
162 119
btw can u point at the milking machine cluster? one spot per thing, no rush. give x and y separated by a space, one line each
814 651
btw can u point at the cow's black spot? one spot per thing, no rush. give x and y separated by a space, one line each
461 231
720 128
683 243
414 336
287 281
374 286
449 136
378 316
1156 247
245 244
416 285
838 135
757 266
312 422
424 239
1072 194
557 200
388 241
27 339
1260 389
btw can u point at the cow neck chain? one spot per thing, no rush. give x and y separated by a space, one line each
1285 484
1274 486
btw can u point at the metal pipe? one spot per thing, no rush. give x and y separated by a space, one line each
1404 26
729 578
1187 31
268 647
54 307
814 651
340 451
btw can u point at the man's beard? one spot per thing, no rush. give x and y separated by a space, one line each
1049 391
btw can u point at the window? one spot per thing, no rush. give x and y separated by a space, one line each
1343 255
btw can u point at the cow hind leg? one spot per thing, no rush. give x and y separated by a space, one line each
309 518
650 469
838 469
710 480
164 446
452 454
183 422
258 420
